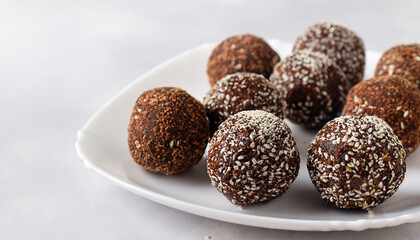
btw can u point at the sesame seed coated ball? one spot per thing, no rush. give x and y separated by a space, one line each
313 88
393 99
339 43
168 130
252 157
402 61
356 162
239 92
242 53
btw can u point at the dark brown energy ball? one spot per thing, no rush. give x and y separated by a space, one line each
395 100
313 87
242 53
356 162
168 130
402 61
239 92
252 157
339 43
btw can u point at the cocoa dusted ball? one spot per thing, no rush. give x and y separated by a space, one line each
395 100
402 61
239 92
339 43
356 162
168 130
313 87
252 157
242 53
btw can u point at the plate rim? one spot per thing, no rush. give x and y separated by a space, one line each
217 214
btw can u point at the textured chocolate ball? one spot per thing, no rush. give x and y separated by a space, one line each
239 92
356 162
168 130
313 88
242 53
395 100
252 157
339 43
402 61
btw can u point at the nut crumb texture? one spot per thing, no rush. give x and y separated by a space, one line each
168 130
395 100
241 53
402 61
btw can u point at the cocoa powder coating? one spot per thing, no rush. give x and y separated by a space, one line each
242 53
402 61
168 130
395 100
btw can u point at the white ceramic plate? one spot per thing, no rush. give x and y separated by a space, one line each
101 144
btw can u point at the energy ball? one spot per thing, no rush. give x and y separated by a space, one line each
339 43
395 100
168 130
239 92
242 53
313 88
252 157
356 162
402 61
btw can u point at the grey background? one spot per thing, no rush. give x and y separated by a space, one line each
62 60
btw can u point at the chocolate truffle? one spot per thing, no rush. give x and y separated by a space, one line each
402 61
242 53
339 43
238 92
395 100
313 87
356 162
168 130
252 157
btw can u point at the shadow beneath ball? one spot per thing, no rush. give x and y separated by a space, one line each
405 202
297 201
197 175
194 178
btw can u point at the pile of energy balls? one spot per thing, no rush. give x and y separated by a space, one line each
366 128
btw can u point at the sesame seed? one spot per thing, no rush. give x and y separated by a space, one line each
361 156
268 132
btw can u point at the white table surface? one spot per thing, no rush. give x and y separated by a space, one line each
61 61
